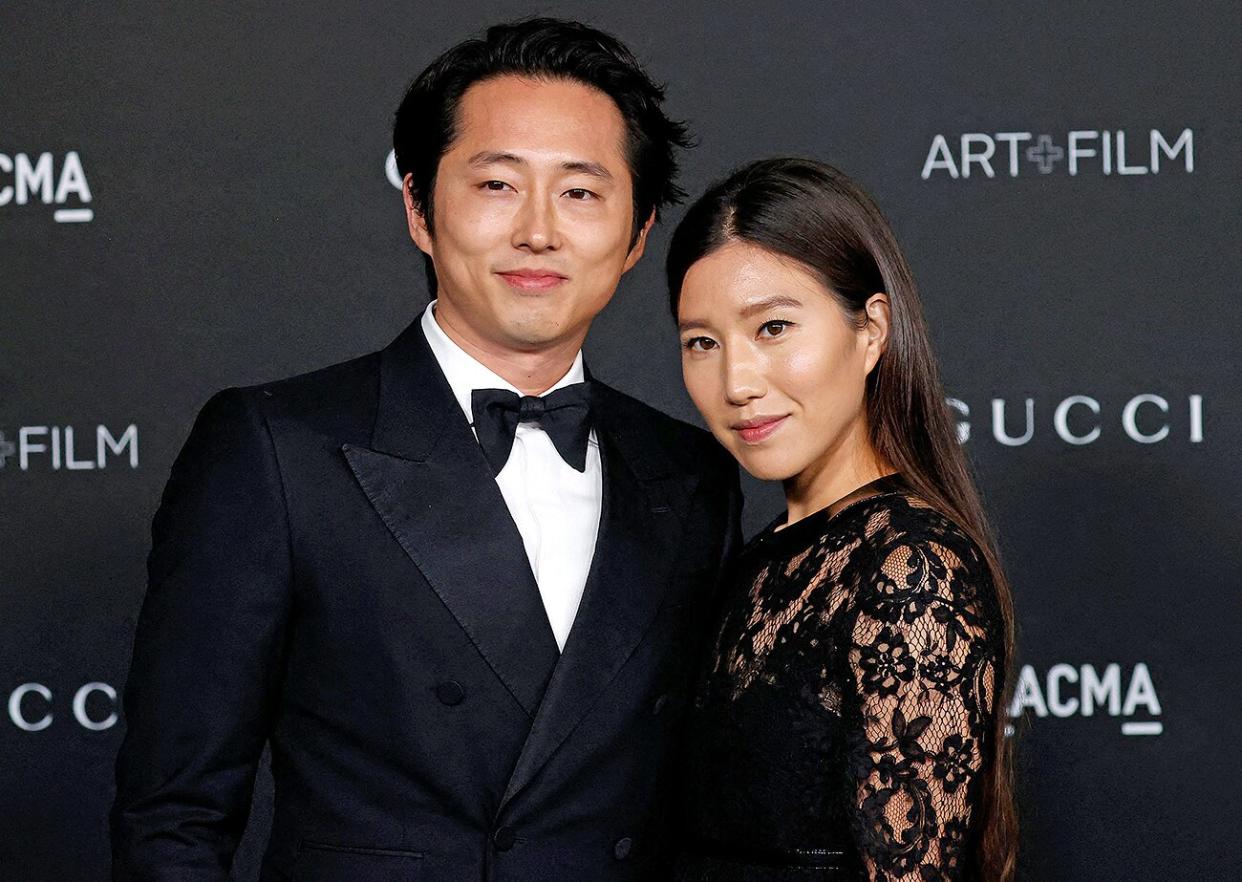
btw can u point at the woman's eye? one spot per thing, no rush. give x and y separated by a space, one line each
699 344
774 328
580 194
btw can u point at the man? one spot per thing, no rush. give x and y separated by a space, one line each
459 586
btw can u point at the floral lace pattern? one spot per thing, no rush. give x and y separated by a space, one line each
848 708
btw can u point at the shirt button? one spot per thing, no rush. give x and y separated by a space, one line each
504 838
658 707
621 849
450 692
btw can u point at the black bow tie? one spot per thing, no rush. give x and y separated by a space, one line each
565 414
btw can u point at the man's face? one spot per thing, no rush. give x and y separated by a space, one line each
532 215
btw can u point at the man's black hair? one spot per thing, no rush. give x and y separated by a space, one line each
549 48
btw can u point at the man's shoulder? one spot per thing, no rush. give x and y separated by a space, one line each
328 398
342 378
688 446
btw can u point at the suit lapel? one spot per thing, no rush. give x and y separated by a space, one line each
426 477
644 505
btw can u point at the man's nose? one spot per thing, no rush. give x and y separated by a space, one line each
535 228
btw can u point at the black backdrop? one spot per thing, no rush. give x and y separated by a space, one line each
196 197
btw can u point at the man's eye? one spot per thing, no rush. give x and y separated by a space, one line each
494 185
699 344
582 195
774 328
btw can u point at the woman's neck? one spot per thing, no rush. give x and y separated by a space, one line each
833 477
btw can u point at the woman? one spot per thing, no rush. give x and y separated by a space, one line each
848 722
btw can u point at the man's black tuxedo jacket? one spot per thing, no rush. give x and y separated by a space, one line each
334 569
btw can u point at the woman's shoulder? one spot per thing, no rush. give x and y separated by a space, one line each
892 521
916 550
903 518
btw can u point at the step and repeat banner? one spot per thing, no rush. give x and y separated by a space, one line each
195 196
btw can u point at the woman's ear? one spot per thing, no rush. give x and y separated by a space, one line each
878 319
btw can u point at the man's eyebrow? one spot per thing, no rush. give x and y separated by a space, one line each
492 157
582 166
773 302
499 157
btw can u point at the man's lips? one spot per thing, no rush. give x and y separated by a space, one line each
755 430
532 280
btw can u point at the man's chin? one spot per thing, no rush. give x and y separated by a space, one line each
534 343
535 336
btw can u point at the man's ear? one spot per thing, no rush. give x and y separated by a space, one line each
417 222
879 318
640 244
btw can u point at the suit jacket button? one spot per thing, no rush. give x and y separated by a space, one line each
450 692
621 849
658 707
504 838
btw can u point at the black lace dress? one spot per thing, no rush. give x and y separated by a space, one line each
841 725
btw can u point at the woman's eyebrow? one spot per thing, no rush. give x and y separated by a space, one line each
776 300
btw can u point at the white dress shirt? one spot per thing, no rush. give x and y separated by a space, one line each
556 507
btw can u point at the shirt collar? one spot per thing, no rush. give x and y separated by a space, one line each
465 373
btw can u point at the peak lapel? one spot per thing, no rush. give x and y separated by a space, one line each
641 522
426 477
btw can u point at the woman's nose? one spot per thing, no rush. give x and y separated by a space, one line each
744 379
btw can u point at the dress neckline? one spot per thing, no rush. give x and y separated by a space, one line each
775 536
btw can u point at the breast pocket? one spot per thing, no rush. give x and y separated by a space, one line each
330 862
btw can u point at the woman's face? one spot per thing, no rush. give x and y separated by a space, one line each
774 364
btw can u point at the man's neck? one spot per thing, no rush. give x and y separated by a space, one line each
532 373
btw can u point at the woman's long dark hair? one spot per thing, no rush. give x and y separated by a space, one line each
814 214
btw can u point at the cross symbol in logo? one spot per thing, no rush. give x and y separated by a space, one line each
7 449
1045 154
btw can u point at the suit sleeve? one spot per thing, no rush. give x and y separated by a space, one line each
208 651
733 514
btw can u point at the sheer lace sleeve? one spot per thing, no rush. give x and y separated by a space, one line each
924 661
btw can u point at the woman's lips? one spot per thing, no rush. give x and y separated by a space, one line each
532 281
753 433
